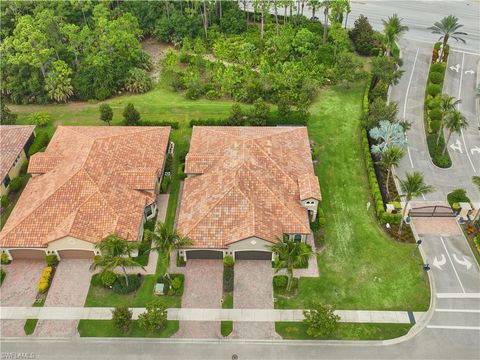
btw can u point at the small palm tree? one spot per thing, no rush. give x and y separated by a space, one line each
392 29
413 186
291 254
454 122
391 158
448 104
448 28
115 252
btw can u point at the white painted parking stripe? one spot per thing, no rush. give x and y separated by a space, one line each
453 327
459 310
406 101
453 266
458 295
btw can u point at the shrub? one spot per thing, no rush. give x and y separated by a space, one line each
172 124
435 114
4 201
439 159
40 119
228 261
154 318
120 286
477 242
168 163
438 67
2 275
131 115
457 196
435 126
436 77
434 89
321 218
137 81
177 283
212 95
43 286
280 282
4 260
122 318
391 218
16 183
228 275
165 184
106 113
321 320
433 102
51 260
108 278
40 142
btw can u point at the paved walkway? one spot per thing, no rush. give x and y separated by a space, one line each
312 269
206 315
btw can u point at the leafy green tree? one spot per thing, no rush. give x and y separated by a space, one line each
260 109
455 122
6 116
106 113
237 117
384 69
131 115
448 28
290 255
40 119
392 30
137 81
362 36
58 82
154 318
447 105
321 320
348 68
390 158
413 186
115 252
380 110
122 318
387 134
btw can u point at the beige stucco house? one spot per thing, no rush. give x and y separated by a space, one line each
89 183
15 141
246 188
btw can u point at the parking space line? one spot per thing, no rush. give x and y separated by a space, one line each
453 327
453 266
459 310
406 101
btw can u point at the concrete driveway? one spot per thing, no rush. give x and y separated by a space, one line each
19 288
203 289
253 290
69 288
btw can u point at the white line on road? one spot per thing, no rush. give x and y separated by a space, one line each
458 295
465 52
458 106
459 310
453 327
406 101
453 266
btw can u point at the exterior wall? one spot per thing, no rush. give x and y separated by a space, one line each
292 237
311 205
14 171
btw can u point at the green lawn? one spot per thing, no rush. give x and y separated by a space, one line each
226 326
345 331
101 297
105 328
360 268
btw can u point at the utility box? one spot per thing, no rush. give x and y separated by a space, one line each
465 209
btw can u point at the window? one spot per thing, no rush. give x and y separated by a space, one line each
149 211
6 181
297 238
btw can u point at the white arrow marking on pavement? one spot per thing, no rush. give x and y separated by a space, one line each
457 147
463 262
470 72
439 264
455 68
475 150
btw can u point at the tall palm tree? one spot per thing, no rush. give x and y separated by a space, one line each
291 254
454 122
165 240
448 103
413 186
392 29
115 252
447 28
326 11
391 158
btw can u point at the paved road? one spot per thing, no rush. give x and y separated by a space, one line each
409 94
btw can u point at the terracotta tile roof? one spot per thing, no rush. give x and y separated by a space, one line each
309 188
248 184
12 140
92 184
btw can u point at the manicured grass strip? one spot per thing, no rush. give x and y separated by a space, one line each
360 267
30 326
226 326
101 297
105 328
345 331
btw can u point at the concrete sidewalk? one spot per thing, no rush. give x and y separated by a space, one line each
192 314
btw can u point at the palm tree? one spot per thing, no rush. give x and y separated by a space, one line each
393 29
448 103
391 158
326 10
165 240
115 252
413 186
447 28
454 122
291 254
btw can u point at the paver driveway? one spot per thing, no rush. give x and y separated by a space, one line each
19 288
253 290
69 288
203 289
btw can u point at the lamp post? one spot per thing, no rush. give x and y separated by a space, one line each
419 242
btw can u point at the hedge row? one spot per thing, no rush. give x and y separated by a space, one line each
172 124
